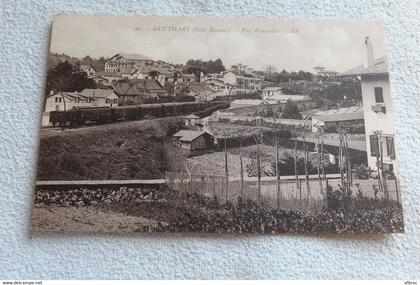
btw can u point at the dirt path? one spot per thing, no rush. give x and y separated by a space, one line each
86 219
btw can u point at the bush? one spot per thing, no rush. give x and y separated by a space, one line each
363 172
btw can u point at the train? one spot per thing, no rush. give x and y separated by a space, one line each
83 115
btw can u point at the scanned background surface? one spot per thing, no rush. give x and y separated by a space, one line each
23 51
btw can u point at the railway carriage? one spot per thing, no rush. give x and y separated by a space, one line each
78 116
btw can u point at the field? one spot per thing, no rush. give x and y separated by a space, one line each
215 162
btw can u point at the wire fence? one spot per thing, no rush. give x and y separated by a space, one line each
290 195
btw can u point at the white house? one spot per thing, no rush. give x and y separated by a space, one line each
63 101
219 85
191 120
107 79
159 74
378 110
126 63
66 101
89 70
243 83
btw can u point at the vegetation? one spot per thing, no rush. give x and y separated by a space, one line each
174 211
344 94
67 77
137 150
54 59
285 76
199 66
291 111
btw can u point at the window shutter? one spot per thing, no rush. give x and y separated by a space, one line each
390 147
374 146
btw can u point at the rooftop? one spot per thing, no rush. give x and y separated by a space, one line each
192 116
379 68
72 95
97 93
188 136
138 86
341 114
132 56
107 74
283 98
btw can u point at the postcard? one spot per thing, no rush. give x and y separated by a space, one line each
217 125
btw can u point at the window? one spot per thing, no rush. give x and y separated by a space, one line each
379 95
374 145
390 147
59 100
115 101
56 99
107 101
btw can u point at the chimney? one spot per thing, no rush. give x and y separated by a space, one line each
369 52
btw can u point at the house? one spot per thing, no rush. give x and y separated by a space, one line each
378 110
322 73
66 101
243 83
106 79
63 101
186 78
241 69
192 140
331 120
126 62
137 91
200 91
191 120
275 94
151 72
271 91
101 97
221 87
89 70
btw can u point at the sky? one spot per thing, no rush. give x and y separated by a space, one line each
286 44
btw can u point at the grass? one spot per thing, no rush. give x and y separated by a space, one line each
125 151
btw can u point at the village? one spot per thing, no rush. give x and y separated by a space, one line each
215 143
130 79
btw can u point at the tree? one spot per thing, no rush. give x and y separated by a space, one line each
198 66
291 111
66 77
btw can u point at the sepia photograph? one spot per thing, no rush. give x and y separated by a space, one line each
217 125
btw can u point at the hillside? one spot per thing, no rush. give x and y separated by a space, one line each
133 150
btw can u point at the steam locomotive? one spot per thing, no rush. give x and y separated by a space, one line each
80 116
